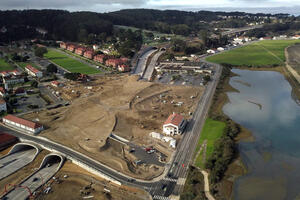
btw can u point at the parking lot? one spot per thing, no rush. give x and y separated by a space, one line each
174 78
24 102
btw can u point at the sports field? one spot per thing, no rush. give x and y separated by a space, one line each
263 53
211 132
5 66
69 63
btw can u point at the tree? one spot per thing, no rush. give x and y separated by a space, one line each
34 84
206 78
51 68
40 51
178 45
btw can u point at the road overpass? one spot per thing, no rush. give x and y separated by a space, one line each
18 157
239 30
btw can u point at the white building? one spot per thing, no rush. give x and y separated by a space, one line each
296 37
33 71
2 92
173 143
174 125
22 124
2 105
211 51
221 49
156 135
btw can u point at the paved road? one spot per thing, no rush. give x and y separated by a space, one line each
150 68
187 145
142 61
13 162
238 30
33 183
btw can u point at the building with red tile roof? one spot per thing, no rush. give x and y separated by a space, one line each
80 51
22 124
33 71
114 62
89 54
63 45
71 47
6 140
2 91
174 125
100 58
123 68
55 84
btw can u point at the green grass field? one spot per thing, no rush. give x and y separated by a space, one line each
212 131
69 63
259 54
5 66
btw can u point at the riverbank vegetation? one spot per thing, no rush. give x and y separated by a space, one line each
194 186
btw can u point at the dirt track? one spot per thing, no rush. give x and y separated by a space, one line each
293 57
121 104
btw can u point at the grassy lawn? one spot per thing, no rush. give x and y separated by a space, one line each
212 131
263 53
5 66
70 64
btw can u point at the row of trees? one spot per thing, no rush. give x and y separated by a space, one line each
225 148
90 27
277 29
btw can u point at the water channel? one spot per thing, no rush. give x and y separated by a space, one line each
264 105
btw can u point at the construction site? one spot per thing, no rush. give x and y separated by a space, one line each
124 106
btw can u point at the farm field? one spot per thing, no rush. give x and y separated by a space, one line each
5 66
259 54
70 64
211 132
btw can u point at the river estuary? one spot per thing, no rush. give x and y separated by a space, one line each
265 106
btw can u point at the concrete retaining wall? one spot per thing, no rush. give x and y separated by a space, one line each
23 145
119 138
48 157
94 171
84 166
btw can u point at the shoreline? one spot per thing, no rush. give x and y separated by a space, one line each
237 168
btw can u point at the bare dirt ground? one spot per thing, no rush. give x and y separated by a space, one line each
80 183
119 104
293 57
17 177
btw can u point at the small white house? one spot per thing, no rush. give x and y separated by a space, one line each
173 143
296 37
220 49
167 139
156 135
33 71
211 51
174 125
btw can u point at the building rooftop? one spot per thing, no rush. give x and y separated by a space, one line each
174 119
33 69
6 138
24 122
